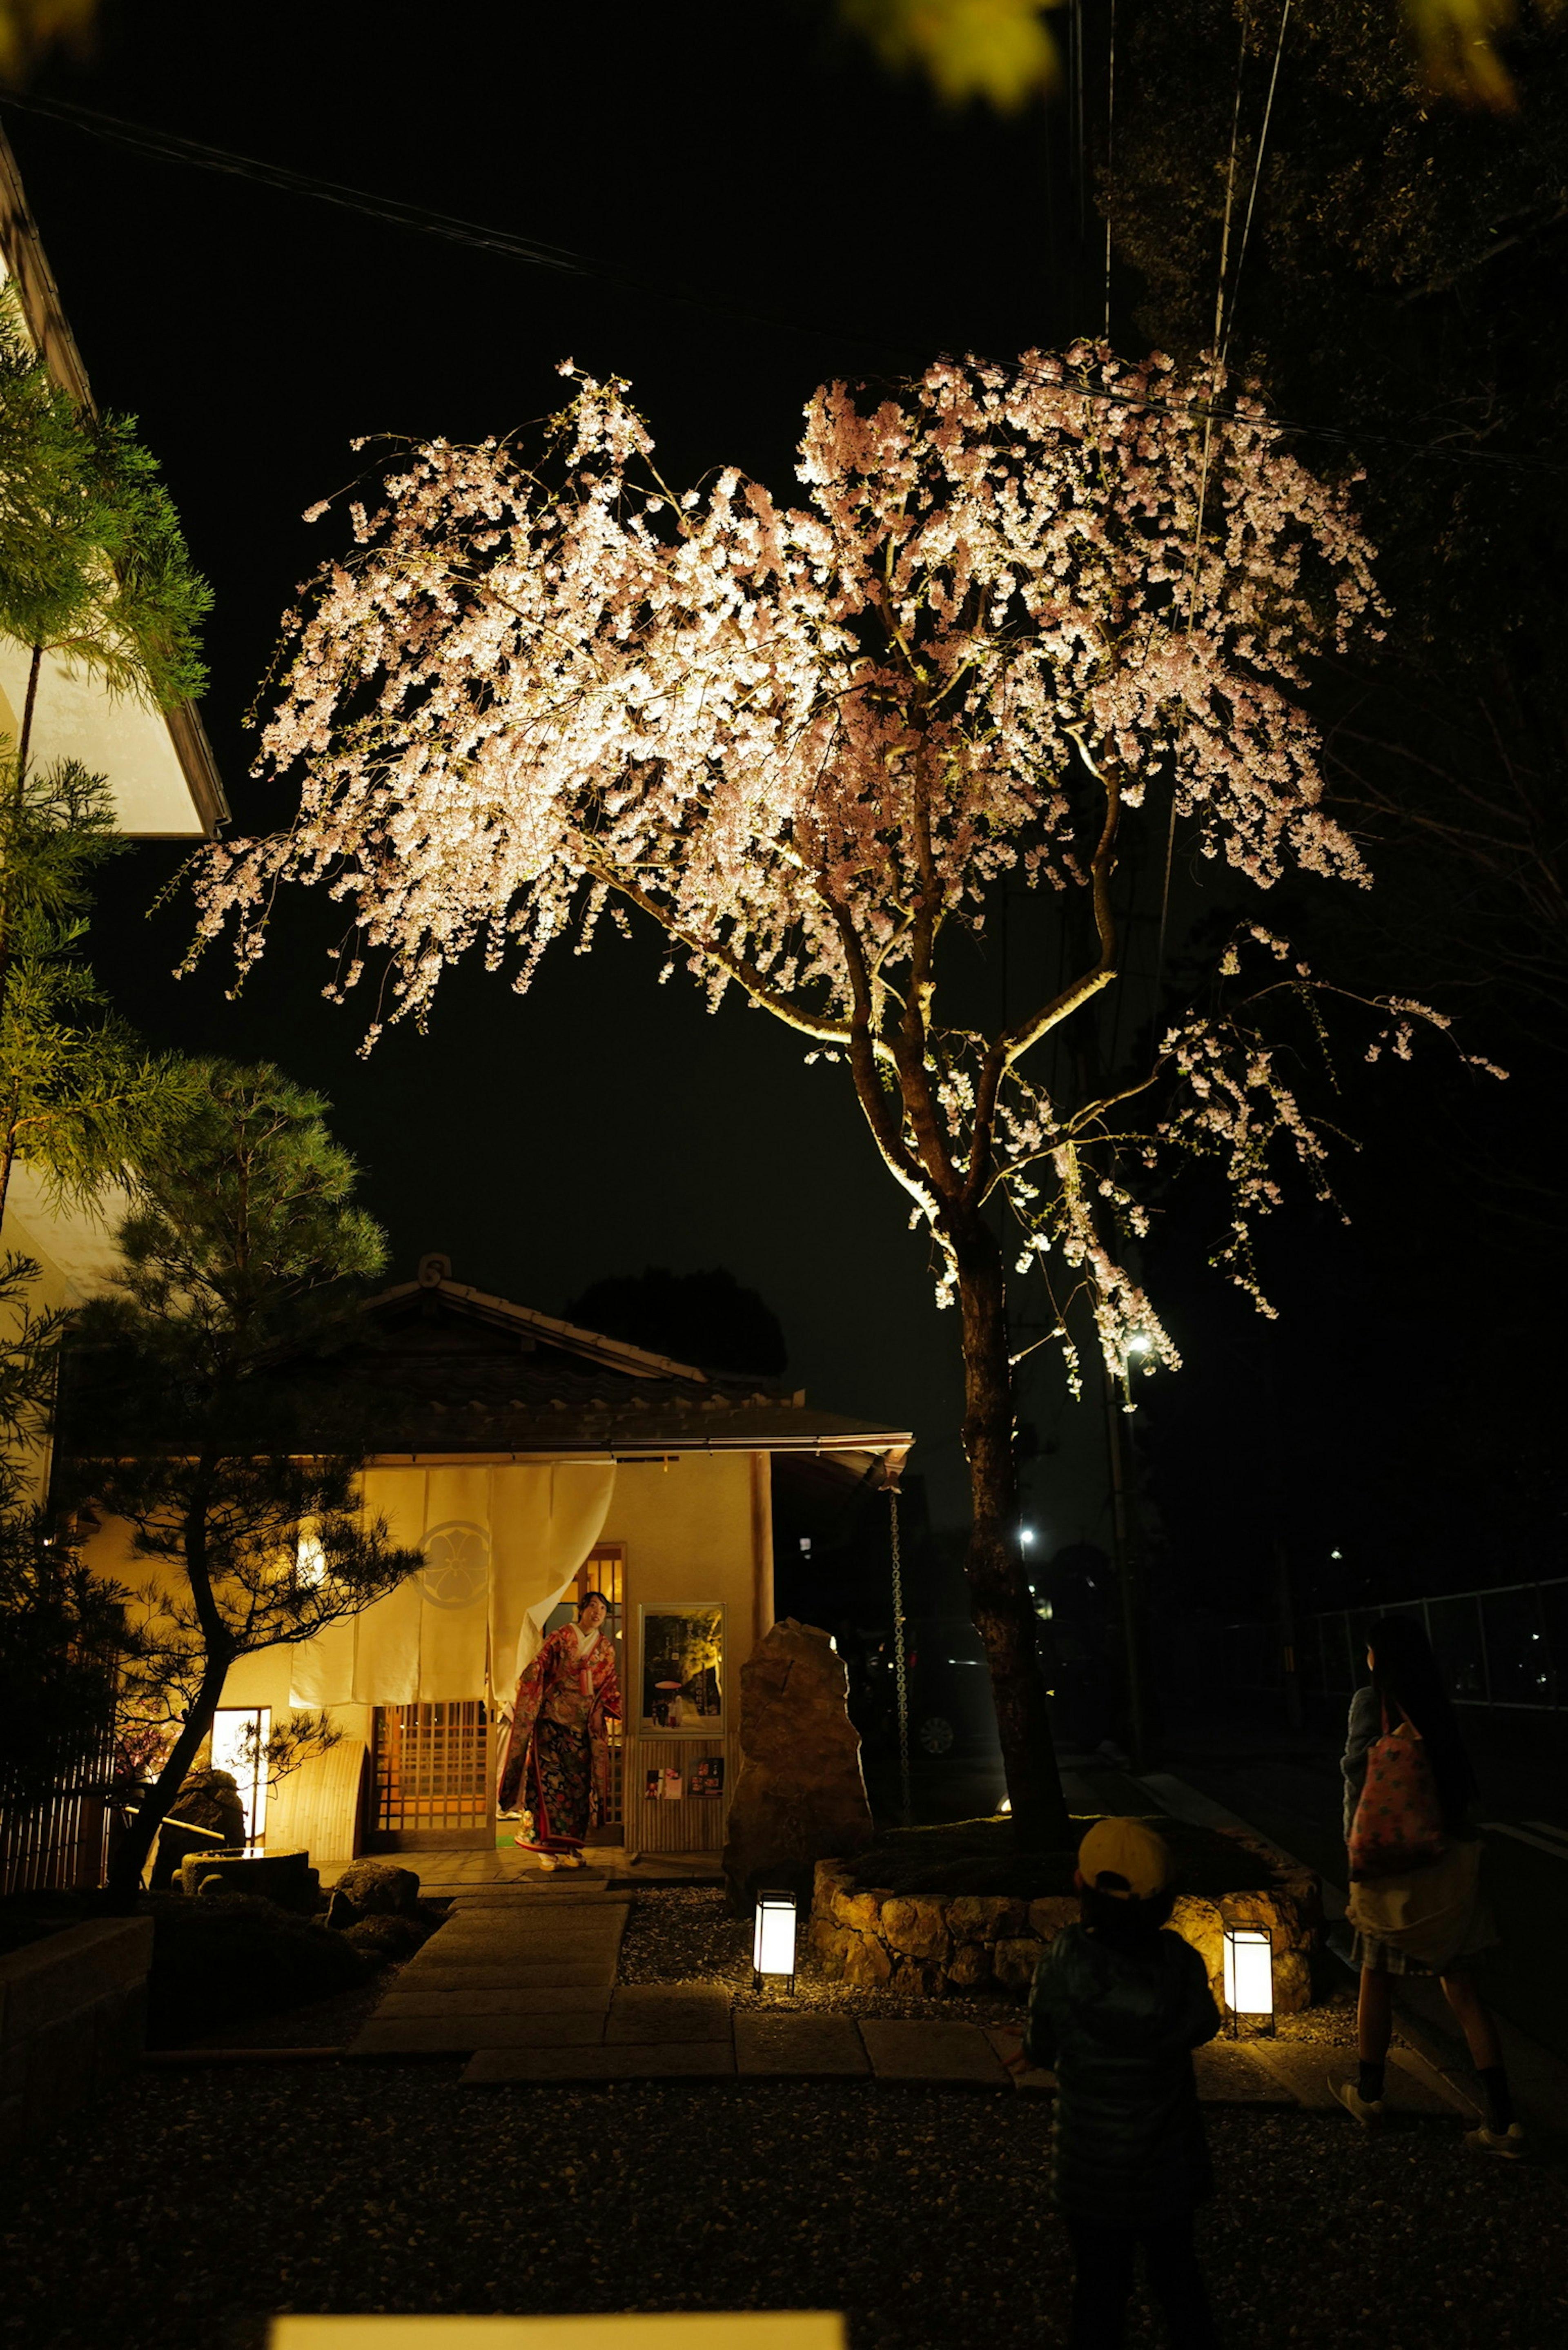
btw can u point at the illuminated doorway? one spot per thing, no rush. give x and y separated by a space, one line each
431 1783
240 1735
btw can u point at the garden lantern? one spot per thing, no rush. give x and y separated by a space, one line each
773 1941
1249 1974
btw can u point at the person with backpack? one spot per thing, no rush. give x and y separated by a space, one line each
1416 1900
1117 2009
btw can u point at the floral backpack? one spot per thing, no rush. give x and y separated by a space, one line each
1398 1823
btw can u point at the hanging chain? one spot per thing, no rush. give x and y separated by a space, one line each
901 1678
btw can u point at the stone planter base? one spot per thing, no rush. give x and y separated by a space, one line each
73 2013
285 1877
934 1944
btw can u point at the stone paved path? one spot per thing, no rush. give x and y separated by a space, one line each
521 1979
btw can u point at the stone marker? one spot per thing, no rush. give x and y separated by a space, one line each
807 2046
646 2014
800 1794
953 2055
683 2061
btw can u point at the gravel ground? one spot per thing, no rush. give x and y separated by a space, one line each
188 2208
192 2205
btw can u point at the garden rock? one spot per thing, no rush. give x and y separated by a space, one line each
800 1795
372 1888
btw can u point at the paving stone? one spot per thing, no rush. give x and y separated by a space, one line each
525 1974
1229 2073
684 2060
460 2035
805 2047
489 1925
1302 2068
422 1980
528 1937
463 1997
667 2012
1413 2082
489 1948
1007 2039
956 2056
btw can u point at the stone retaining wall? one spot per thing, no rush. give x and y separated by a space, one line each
72 2017
933 1943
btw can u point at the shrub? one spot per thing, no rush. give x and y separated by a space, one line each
230 1956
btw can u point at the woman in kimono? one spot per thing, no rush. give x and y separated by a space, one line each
557 1762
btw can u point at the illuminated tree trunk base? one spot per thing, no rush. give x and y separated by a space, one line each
999 1591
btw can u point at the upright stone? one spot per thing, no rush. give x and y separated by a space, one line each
800 1796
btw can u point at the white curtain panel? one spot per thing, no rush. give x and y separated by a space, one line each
500 1546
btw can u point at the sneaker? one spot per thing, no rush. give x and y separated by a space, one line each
1509 2143
1368 2111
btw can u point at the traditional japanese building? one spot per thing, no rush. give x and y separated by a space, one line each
157 763
530 1461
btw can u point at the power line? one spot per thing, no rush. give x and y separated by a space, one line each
419 219
168 147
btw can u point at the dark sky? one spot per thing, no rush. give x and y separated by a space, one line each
599 1124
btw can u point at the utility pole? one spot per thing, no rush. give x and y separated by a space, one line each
1125 1547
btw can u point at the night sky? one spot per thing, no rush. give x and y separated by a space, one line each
601 1123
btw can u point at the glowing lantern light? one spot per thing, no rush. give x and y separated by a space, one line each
1249 1973
773 1941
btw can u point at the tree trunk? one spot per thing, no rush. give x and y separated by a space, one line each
24 739
131 1857
999 1591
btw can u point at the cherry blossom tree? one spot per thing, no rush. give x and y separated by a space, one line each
810 744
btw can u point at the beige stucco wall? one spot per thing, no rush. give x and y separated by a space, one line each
696 1527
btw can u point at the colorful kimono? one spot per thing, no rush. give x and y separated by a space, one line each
557 1762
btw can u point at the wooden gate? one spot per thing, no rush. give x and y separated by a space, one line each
431 1776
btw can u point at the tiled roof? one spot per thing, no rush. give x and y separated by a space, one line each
454 1370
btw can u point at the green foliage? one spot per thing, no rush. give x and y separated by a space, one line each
60 1628
60 1631
995 50
1400 276
241 1264
80 1096
295 1740
93 567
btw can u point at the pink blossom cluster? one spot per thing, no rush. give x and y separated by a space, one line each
542 687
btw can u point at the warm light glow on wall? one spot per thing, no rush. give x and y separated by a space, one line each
240 1735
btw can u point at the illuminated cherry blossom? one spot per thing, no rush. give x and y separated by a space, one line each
544 688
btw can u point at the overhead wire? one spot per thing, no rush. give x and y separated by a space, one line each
1223 330
419 220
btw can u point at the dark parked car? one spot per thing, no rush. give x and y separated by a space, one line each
949 1684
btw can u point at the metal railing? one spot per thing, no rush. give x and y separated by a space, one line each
1506 1648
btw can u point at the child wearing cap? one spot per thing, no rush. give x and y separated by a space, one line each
1117 2009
